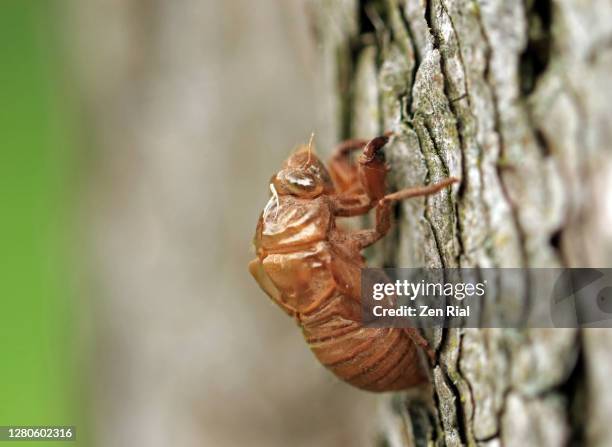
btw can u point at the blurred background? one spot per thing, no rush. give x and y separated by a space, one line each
138 138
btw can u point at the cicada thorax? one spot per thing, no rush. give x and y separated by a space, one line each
294 251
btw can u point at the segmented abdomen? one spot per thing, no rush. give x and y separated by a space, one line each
374 359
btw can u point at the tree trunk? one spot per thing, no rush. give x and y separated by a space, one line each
513 97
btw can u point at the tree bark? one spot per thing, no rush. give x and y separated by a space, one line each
513 97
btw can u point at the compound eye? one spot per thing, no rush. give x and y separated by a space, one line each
301 180
302 184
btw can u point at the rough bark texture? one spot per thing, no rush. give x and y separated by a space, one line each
514 98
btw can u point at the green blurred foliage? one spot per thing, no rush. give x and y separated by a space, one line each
39 378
